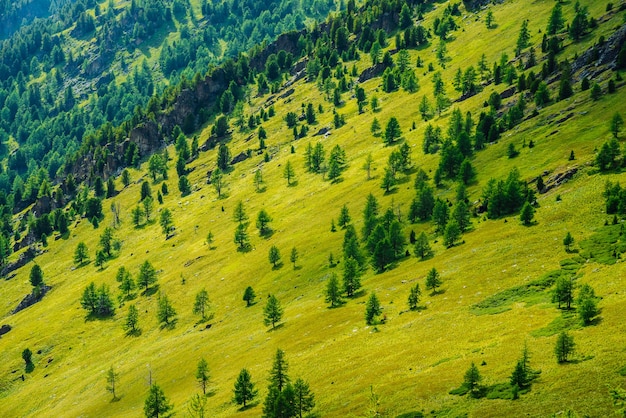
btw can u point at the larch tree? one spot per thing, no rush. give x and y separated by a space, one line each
132 321
249 296
202 304
244 391
421 247
289 173
333 293
262 222
293 257
166 314
564 347
203 375
81 255
304 398
273 312
472 381
372 309
167 222
147 275
274 256
433 280
157 405
414 297
112 380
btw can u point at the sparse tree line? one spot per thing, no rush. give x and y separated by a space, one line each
285 398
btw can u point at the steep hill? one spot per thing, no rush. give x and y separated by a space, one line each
529 144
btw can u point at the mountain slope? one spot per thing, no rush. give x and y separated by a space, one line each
413 359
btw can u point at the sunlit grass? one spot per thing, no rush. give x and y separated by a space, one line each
412 360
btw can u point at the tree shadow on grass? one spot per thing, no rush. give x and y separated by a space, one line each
169 326
150 291
30 366
436 292
249 406
267 234
134 333
427 256
95 317
244 249
359 294
293 183
277 327
337 304
277 266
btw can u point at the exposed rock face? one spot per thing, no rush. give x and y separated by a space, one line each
559 178
21 261
32 298
239 158
4 329
600 55
147 138
371 72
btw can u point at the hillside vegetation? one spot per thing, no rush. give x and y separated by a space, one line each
513 182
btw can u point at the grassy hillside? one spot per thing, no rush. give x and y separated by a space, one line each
412 360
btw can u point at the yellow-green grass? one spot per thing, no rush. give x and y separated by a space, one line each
414 359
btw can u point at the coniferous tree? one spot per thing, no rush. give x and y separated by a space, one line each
472 381
333 294
563 292
272 312
157 405
202 375
244 388
568 241
370 216
166 314
274 256
147 275
586 304
81 255
241 237
414 297
202 304
239 214
278 374
217 180
132 320
422 248
527 214
223 158
433 280
392 131
564 347
289 173
304 398
372 309
249 296
617 122
112 380
262 222
166 221
127 284
452 233
146 190
293 257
